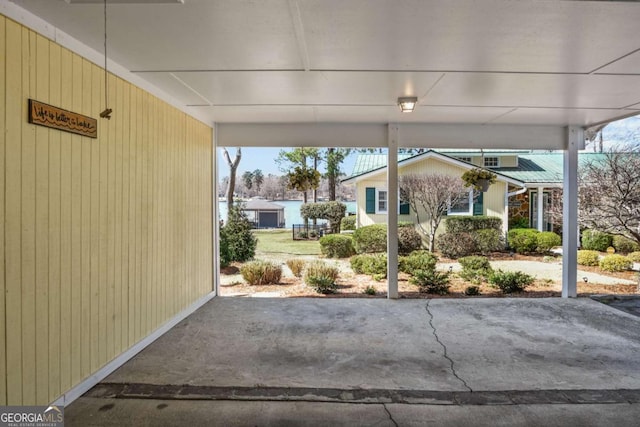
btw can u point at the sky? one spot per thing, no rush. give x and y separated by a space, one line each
264 158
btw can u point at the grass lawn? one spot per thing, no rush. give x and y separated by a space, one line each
281 242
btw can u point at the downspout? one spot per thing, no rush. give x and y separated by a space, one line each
506 203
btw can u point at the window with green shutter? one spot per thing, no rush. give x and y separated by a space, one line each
370 205
478 209
404 208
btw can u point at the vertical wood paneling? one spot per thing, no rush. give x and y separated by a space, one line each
67 215
103 240
55 251
3 319
13 210
28 223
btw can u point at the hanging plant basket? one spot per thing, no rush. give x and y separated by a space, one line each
478 178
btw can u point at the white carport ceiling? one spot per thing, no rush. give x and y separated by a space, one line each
468 61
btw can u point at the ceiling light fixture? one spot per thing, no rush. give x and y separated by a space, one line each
407 104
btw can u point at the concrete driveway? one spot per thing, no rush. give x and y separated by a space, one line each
504 361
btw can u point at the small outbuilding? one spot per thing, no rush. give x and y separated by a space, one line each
264 213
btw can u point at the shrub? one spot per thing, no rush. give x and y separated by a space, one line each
337 246
297 266
370 238
488 240
547 240
518 222
523 240
348 223
417 260
332 211
369 290
239 240
615 262
455 245
595 240
261 272
625 245
634 256
321 277
431 281
466 223
510 281
409 239
373 264
225 253
472 290
586 257
475 268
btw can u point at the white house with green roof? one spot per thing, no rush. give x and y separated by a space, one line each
525 180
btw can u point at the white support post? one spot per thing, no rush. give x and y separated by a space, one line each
214 212
541 209
392 212
575 141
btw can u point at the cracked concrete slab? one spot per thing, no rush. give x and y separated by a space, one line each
523 358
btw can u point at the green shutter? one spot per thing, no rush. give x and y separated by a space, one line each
477 205
370 206
404 208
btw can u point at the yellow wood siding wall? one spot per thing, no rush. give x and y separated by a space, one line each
493 199
103 240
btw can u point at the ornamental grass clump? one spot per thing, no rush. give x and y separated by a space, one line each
321 277
261 273
296 265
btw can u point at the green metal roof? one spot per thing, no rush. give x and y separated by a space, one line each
533 167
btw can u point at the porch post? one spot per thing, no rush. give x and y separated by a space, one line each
540 209
575 140
215 226
392 212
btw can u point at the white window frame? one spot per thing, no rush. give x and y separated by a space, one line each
378 191
469 212
492 158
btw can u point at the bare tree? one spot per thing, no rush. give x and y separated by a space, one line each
609 194
431 195
233 167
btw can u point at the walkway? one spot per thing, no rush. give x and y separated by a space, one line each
360 362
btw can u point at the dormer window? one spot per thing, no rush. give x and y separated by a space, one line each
492 162
465 159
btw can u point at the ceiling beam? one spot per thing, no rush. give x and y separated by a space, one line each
411 135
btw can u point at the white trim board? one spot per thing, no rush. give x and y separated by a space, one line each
80 389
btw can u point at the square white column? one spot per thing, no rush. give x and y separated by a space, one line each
575 141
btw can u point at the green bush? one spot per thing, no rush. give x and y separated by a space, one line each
510 281
523 240
472 290
337 246
321 277
332 211
261 272
239 241
488 240
634 256
373 264
547 240
475 268
417 260
370 238
456 245
595 240
369 290
225 253
431 281
616 262
586 257
348 223
467 223
409 239
518 222
625 245
297 266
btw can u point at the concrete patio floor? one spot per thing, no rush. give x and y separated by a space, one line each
246 361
